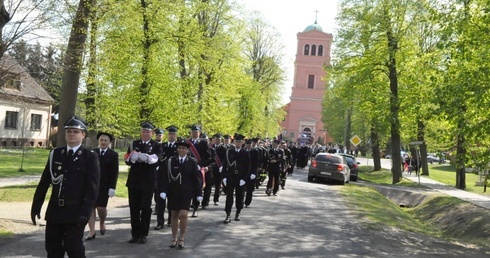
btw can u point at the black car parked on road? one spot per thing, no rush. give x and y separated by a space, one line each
353 165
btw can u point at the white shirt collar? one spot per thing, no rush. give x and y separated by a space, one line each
68 148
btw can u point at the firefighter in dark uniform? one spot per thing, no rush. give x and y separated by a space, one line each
236 172
254 170
288 156
209 175
276 164
143 157
158 201
220 151
169 149
201 152
263 163
73 171
294 155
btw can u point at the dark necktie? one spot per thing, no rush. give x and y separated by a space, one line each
70 152
181 161
102 153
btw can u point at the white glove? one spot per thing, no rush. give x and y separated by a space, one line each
199 198
163 195
242 183
224 181
143 157
252 176
220 169
111 192
134 157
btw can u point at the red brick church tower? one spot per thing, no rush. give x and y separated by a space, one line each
304 111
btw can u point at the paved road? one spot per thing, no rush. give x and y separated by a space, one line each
305 220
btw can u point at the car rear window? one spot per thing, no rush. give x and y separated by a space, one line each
328 158
349 160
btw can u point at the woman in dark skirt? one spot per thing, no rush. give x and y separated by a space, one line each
109 171
178 181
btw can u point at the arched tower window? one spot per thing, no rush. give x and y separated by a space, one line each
307 50
320 50
313 50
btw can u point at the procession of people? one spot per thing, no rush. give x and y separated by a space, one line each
177 175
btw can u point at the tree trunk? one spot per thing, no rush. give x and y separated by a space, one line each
423 147
4 19
73 66
460 153
91 112
145 110
375 149
347 131
396 169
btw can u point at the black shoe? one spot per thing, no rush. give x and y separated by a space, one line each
133 240
88 238
227 220
143 240
194 214
275 194
283 188
237 217
102 232
169 225
158 227
173 244
268 192
181 243
246 206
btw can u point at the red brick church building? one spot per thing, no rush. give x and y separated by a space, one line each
304 111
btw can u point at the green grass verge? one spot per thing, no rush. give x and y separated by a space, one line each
382 177
16 162
375 210
25 193
447 175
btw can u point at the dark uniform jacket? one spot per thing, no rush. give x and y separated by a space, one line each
280 161
73 197
168 150
142 175
236 166
255 161
109 169
187 184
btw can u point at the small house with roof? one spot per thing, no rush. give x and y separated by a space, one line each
25 107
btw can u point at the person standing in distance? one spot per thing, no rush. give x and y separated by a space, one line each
74 172
178 181
142 157
109 171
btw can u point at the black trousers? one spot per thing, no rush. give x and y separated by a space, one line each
61 238
283 179
217 187
207 192
160 205
249 187
238 190
274 178
140 210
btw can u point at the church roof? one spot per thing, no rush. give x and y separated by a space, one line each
313 26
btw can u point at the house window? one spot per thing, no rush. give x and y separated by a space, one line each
307 50
320 50
313 50
36 121
311 81
11 119
11 82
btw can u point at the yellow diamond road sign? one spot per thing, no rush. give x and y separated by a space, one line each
355 140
